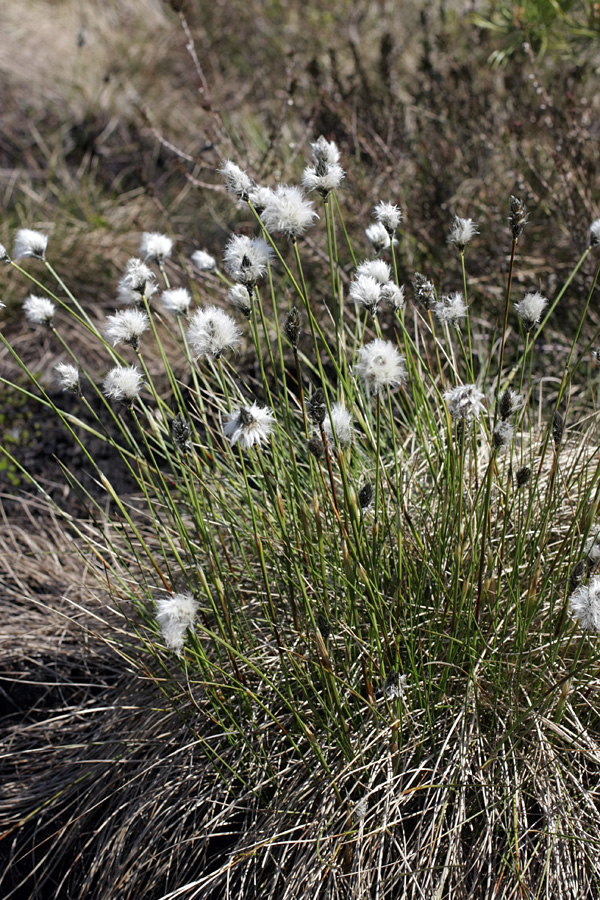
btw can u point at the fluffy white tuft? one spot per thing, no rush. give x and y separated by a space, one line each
461 232
30 243
530 310
123 383
67 376
246 259
249 425
464 402
211 332
155 247
388 215
39 310
380 365
175 614
585 605
203 261
126 327
339 422
288 211
176 300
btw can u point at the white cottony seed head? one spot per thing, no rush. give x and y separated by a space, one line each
461 232
211 332
380 366
259 196
325 174
585 605
39 310
176 300
203 261
503 434
595 233
123 383
288 211
388 215
67 376
450 309
240 297
246 259
339 422
464 402
137 282
379 237
126 327
175 614
394 295
530 310
366 291
30 243
4 257
237 181
155 247
249 425
375 268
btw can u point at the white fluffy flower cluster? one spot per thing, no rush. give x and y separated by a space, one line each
126 327
137 283
373 284
176 300
211 332
450 309
203 261
67 376
530 310
585 605
156 247
325 174
249 425
461 232
39 310
246 259
123 383
288 211
380 365
175 614
338 425
30 243
464 402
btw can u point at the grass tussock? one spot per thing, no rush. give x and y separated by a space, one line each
307 604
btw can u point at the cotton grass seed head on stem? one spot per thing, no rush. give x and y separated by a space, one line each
325 174
450 309
375 268
392 294
423 290
518 217
510 401
259 196
461 232
126 327
203 261
316 408
292 327
181 433
67 376
123 383
4 257
138 282
288 212
502 435
237 181
176 300
464 402
379 237
155 247
39 310
246 259
595 233
366 291
249 426
585 605
340 422
175 614
380 365
211 332
240 297
389 216
530 310
30 243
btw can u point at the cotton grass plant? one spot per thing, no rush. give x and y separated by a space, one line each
355 567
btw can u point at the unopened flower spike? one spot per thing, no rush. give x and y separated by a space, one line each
181 433
502 435
424 290
292 327
39 310
249 426
461 232
156 247
518 217
203 261
30 243
316 408
67 376
288 211
175 614
510 401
